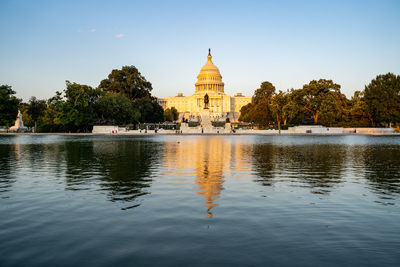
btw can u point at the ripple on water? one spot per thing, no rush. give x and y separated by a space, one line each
226 200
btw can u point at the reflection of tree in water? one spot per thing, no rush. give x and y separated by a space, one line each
316 166
7 160
382 169
264 163
81 165
41 156
121 168
29 160
319 166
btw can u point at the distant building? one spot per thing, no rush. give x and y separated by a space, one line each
221 105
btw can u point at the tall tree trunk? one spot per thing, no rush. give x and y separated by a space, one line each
279 124
284 122
35 126
315 117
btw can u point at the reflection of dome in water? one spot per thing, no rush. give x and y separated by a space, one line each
205 160
212 157
209 77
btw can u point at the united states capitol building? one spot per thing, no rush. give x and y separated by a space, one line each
221 106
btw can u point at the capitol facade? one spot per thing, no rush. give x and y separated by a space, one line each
221 105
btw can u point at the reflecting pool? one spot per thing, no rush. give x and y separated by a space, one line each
199 200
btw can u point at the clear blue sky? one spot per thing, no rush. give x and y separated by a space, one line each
289 43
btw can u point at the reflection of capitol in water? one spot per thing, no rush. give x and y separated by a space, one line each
209 160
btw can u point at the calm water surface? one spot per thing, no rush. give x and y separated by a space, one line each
199 200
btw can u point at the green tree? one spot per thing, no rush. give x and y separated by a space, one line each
26 118
116 109
171 114
278 103
79 109
8 106
149 109
127 81
359 114
35 109
382 97
245 113
263 94
293 110
315 94
259 111
333 109
51 121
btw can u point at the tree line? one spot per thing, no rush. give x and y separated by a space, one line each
123 98
321 102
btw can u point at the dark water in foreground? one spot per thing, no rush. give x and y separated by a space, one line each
199 200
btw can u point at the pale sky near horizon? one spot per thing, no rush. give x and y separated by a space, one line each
287 43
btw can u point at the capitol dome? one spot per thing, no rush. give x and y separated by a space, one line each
209 78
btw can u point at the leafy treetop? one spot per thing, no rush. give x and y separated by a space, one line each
8 106
127 81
